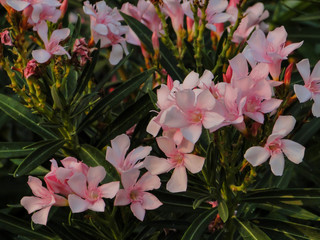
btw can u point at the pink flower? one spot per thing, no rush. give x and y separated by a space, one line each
106 27
116 154
311 88
31 68
37 11
42 202
276 146
146 14
253 20
52 46
271 50
87 194
135 193
57 178
5 38
174 9
178 159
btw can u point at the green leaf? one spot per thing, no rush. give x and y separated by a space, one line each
292 196
76 32
223 211
289 229
307 131
199 225
289 210
115 97
23 115
14 149
39 171
127 119
39 156
94 157
250 231
19 227
167 60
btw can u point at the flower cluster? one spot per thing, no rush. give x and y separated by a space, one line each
75 185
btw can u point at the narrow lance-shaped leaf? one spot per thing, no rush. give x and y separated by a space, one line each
127 119
115 97
38 156
24 116
94 157
249 231
17 226
14 149
167 60
199 225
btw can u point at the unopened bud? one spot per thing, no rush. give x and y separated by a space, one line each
228 75
287 74
169 82
63 8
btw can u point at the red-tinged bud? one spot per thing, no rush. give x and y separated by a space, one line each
254 129
145 53
287 74
5 38
63 8
169 82
155 42
219 28
228 75
190 28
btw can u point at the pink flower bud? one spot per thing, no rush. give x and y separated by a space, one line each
228 75
287 74
5 38
30 69
63 8
169 82
155 42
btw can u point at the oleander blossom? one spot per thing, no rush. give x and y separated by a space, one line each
276 146
311 88
37 11
41 203
106 28
31 69
116 154
52 46
5 38
135 193
179 159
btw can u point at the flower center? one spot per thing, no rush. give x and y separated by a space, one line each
196 116
94 195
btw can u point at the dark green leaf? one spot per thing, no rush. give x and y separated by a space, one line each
127 119
223 211
14 149
250 231
94 157
167 60
23 115
199 225
115 97
76 32
18 226
38 156
307 131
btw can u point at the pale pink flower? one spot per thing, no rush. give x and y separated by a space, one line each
106 27
52 46
253 19
135 193
116 154
146 14
311 88
214 12
31 68
87 193
37 11
42 202
271 50
178 159
174 9
5 38
276 146
57 178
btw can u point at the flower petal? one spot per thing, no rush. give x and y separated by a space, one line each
284 125
137 210
178 181
191 80
77 204
78 184
277 164
122 198
18 5
41 55
98 206
41 216
109 190
256 155
129 178
116 54
148 182
150 201
193 162
304 69
192 132
303 93
157 165
293 150
95 176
